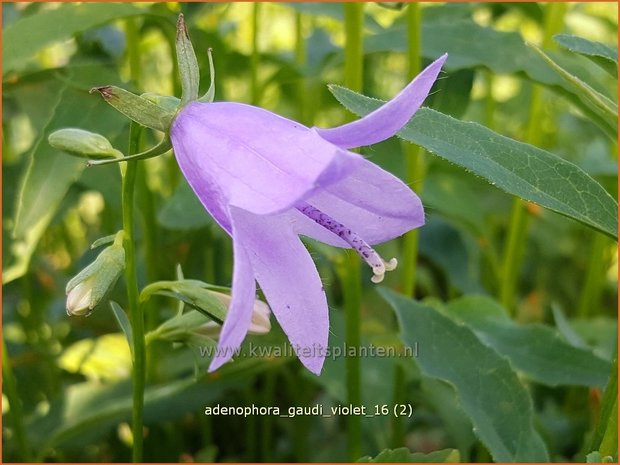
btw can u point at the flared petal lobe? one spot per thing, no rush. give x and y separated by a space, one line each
239 317
387 120
289 279
253 159
370 201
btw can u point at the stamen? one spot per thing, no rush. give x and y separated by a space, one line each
379 265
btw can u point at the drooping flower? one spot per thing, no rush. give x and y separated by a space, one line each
267 180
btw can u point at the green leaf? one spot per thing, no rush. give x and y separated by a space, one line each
50 173
598 103
123 322
534 349
489 391
519 169
403 455
601 54
502 52
23 38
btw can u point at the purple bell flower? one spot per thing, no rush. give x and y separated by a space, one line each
267 180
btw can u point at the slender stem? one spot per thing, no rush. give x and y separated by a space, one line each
489 101
595 277
519 220
352 288
415 171
150 246
133 52
254 59
136 316
605 437
415 166
10 391
300 60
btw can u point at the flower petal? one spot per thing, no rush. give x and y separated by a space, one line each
251 158
289 279
373 203
239 315
387 120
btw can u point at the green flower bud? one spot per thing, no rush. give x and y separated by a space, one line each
83 144
260 323
88 288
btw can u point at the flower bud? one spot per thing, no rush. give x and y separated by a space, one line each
88 288
260 314
191 325
82 144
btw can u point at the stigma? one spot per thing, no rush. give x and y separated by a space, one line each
369 255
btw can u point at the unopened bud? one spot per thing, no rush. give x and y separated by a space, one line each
260 323
88 288
84 144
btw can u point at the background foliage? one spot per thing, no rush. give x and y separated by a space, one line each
505 375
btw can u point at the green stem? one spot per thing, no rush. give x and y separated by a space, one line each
150 246
415 170
595 277
352 287
254 58
136 316
605 437
519 220
415 166
10 391
300 60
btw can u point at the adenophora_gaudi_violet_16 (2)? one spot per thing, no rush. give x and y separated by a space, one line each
266 180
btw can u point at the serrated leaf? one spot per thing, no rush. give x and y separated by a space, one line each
23 38
489 391
519 169
534 349
601 54
404 455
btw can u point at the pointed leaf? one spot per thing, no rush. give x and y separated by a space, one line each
534 349
123 322
489 391
603 55
403 455
519 169
597 102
